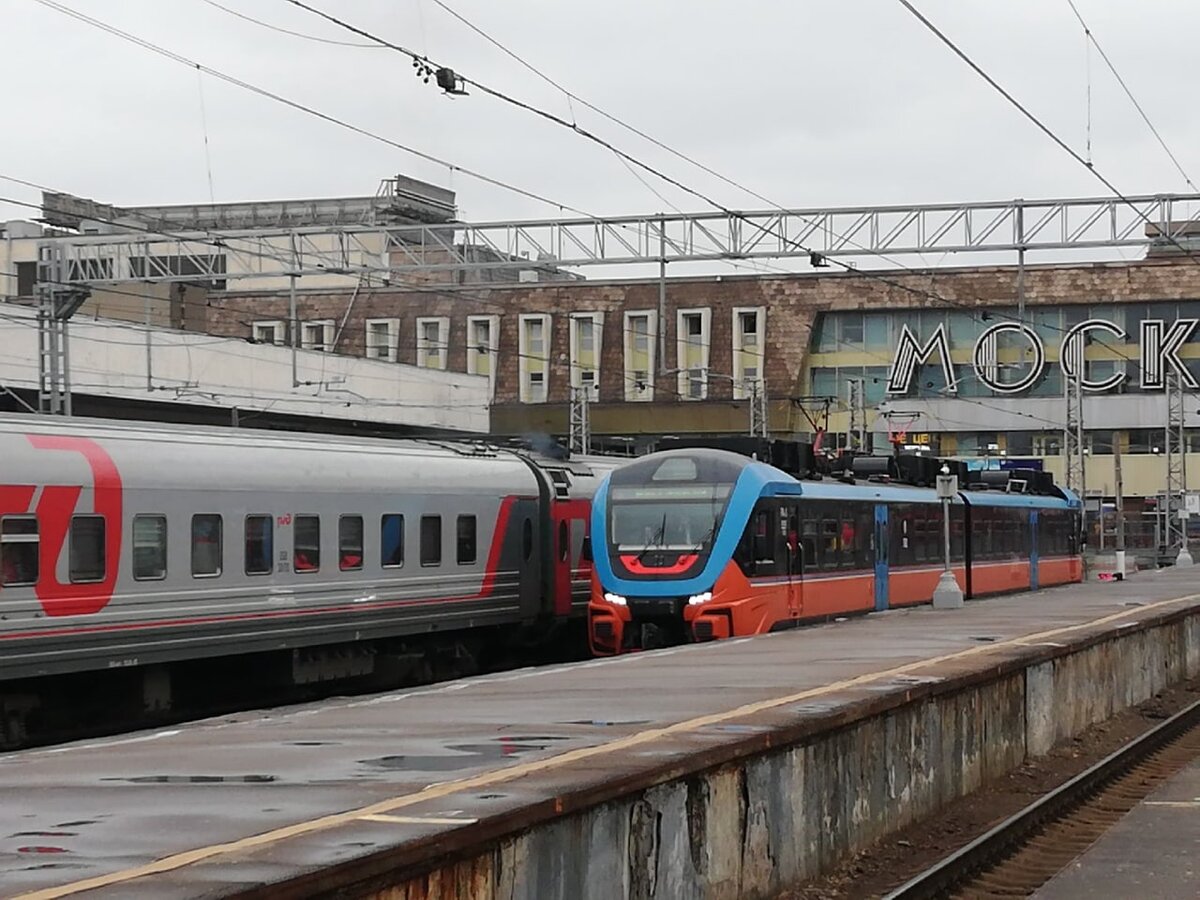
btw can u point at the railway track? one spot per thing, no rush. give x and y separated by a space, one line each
1023 852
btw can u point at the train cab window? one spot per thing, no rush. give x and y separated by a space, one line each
206 545
260 540
391 541
467 539
350 543
306 544
18 550
431 540
149 548
564 540
87 548
527 540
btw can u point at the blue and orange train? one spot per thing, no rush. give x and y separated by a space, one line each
703 544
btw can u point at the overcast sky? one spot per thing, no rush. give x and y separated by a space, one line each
809 102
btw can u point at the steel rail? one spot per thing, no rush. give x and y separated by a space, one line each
1005 838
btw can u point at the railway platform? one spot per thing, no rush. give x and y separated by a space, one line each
1154 851
733 769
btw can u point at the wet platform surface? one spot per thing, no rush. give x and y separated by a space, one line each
1153 852
214 806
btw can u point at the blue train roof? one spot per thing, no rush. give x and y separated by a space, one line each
775 482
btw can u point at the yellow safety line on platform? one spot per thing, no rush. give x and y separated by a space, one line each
499 776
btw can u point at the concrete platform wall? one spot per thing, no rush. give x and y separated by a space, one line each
755 826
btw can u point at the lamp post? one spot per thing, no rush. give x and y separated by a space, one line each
947 594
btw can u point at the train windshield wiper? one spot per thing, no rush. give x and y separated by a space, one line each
656 541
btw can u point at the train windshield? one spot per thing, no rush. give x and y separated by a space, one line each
666 518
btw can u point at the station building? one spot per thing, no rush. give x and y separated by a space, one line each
943 358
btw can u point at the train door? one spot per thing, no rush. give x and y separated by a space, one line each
793 550
1033 550
882 543
569 517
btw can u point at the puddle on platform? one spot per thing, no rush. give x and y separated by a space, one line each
467 755
608 723
196 779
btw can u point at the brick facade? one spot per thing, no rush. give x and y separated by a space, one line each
792 305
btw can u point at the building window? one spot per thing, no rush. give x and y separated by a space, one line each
18 550
306 543
466 540
534 350
268 333
431 342
260 551
391 541
206 545
748 348
587 331
692 345
317 335
383 339
1146 440
350 543
1047 444
640 341
483 340
431 540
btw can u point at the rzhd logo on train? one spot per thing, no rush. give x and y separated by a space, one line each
93 488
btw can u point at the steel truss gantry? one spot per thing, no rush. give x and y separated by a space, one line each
1074 450
441 254
843 232
1175 526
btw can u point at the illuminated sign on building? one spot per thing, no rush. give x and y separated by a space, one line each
1160 347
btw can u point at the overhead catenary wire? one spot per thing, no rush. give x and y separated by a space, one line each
301 107
1041 126
1090 36
927 294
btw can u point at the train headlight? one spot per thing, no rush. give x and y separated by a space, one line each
616 599
697 599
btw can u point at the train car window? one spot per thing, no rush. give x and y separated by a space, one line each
849 541
764 539
897 535
350 543
149 548
527 540
391 541
306 544
206 545
585 550
917 536
466 552
18 550
260 541
431 540
87 549
810 545
865 549
957 534
830 546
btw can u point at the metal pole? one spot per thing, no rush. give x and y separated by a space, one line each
662 296
946 532
947 594
1120 505
146 309
294 328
